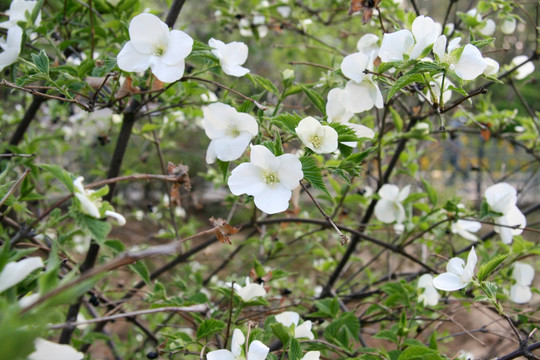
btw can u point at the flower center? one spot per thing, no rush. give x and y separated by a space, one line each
233 131
160 50
316 141
270 178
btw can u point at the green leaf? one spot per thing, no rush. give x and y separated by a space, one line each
295 352
313 174
481 43
287 122
423 67
60 174
281 332
359 157
116 245
402 82
345 133
387 335
327 308
150 127
432 194
315 98
490 266
98 229
398 120
265 83
41 61
140 268
223 168
418 352
209 327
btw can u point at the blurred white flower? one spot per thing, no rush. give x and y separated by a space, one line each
470 63
430 296
509 26
11 45
368 44
288 318
466 228
249 291
15 272
47 350
153 45
465 355
230 131
312 355
269 179
231 56
322 139
257 350
284 11
502 198
17 12
489 28
389 207
492 67
520 292
525 70
458 274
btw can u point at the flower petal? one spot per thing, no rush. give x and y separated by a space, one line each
119 217
430 296
88 206
164 72
353 66
520 294
501 197
47 350
238 339
287 318
130 59
304 331
388 211
15 272
222 354
468 271
230 148
389 192
146 31
455 266
523 273
396 44
312 355
448 282
289 171
179 47
471 63
263 158
273 199
335 109
12 47
257 351
246 178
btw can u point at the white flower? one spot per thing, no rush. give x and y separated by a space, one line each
90 203
289 318
465 228
11 46
249 291
502 198
523 71
492 67
322 139
368 45
284 11
520 292
430 296
335 108
258 23
269 179
458 274
470 63
231 56
15 272
257 350
17 12
434 91
465 355
47 350
153 45
404 42
312 355
509 26
230 131
389 207
489 28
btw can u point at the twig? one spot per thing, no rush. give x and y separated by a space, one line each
17 155
343 238
196 78
14 186
311 64
175 309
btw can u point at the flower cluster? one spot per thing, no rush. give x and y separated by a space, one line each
90 203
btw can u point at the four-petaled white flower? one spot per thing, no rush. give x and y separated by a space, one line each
404 42
322 139
389 207
257 350
520 292
466 228
524 70
11 45
231 56
290 318
17 12
468 66
230 131
458 274
15 272
152 45
90 203
269 179
249 291
502 198
47 350
509 26
430 296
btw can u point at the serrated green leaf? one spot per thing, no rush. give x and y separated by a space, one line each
60 174
481 43
423 67
265 83
432 194
223 168
116 245
315 98
287 122
416 352
313 174
41 61
490 266
281 333
359 157
398 120
402 82
98 229
140 268
327 308
295 352
209 327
